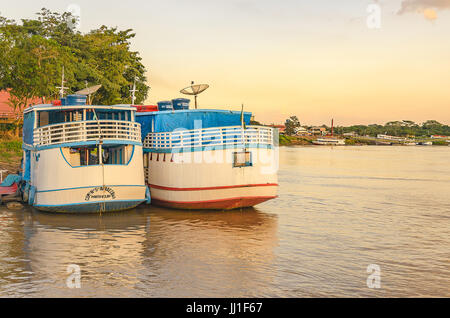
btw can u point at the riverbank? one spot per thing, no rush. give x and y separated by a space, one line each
10 155
354 141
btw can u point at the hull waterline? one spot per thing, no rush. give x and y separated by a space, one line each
92 207
221 204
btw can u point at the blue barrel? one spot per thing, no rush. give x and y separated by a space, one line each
63 101
180 103
75 100
165 105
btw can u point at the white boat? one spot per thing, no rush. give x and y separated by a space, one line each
206 159
82 158
329 142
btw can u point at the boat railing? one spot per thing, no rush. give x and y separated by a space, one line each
87 131
216 136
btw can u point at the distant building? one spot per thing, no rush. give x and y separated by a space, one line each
6 111
318 131
387 137
350 134
301 131
439 137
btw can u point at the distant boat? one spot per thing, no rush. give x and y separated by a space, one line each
410 144
329 142
427 143
383 143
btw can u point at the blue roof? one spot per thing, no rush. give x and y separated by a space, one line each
168 121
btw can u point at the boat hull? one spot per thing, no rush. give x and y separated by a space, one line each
180 182
224 204
214 198
92 207
60 187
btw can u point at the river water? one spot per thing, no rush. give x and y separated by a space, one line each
339 210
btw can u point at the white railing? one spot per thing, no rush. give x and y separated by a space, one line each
87 131
210 137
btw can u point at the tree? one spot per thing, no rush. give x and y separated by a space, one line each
291 124
33 53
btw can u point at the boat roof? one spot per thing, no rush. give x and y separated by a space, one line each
185 111
170 120
52 107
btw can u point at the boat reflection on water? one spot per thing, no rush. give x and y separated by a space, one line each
148 251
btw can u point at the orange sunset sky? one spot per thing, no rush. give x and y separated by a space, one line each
314 59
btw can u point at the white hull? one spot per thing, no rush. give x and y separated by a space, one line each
329 142
207 179
63 188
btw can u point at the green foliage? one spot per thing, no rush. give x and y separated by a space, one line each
291 124
440 143
398 128
285 140
33 53
350 142
10 149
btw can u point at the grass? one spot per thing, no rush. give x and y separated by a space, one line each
10 153
285 140
440 143
294 140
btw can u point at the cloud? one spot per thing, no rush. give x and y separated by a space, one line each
430 14
428 8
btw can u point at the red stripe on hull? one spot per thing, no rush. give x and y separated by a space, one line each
213 188
222 204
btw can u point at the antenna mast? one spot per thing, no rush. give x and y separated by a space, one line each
62 88
332 127
133 91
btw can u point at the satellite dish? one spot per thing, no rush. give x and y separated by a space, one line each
89 91
194 90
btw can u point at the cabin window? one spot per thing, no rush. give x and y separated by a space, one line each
57 117
242 159
45 118
90 156
84 156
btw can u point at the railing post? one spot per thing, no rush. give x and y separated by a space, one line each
83 128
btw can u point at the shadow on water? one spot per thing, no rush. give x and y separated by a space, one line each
147 251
